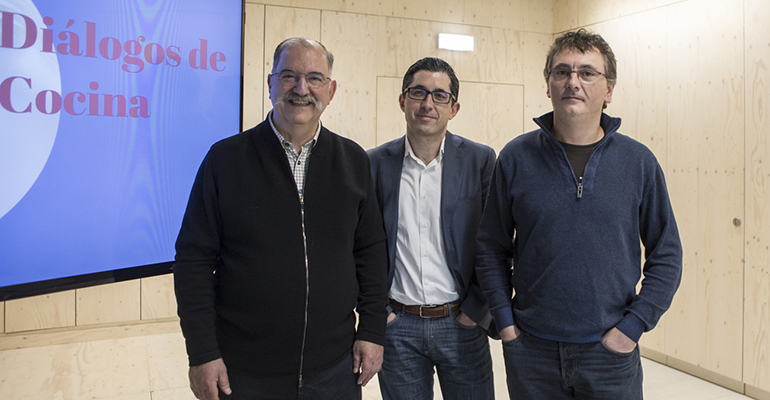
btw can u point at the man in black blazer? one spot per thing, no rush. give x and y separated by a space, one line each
431 186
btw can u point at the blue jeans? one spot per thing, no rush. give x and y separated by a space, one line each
415 345
336 383
543 369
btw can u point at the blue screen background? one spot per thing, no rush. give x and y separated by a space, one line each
114 189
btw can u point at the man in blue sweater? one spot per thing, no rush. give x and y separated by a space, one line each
568 205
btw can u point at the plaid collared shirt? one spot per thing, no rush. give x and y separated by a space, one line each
297 162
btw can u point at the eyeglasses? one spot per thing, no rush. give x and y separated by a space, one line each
439 96
314 80
586 75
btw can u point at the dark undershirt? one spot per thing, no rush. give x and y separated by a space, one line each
578 157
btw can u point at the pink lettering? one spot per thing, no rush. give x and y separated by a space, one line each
217 57
68 102
30 31
41 103
104 48
198 56
5 93
51 102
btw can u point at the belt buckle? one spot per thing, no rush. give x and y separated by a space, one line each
426 306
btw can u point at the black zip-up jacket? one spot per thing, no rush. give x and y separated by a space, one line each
240 275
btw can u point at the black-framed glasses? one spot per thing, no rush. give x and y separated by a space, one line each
419 94
314 80
586 75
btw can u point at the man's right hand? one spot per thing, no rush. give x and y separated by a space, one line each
206 379
510 333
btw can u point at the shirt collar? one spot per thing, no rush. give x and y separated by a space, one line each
409 153
285 142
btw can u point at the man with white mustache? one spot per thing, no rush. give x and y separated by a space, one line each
281 243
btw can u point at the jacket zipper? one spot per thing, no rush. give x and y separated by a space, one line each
307 290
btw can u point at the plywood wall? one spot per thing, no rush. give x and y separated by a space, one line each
55 310
372 49
706 129
693 85
756 333
253 65
524 15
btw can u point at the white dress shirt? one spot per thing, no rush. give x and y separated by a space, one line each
422 275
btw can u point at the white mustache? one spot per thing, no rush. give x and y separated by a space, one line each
293 97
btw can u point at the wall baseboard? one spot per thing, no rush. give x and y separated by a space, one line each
653 355
77 334
757 393
711 376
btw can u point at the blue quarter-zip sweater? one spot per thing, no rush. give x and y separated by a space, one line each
575 246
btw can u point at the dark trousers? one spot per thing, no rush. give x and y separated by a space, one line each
336 383
543 369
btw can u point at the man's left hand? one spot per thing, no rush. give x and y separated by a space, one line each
618 341
465 320
367 360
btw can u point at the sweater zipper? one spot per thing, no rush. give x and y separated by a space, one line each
580 188
307 290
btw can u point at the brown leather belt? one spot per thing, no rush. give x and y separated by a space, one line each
429 311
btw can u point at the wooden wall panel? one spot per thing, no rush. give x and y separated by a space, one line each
536 16
448 11
390 118
253 65
536 103
490 113
756 351
525 15
367 47
167 362
282 23
522 15
55 310
639 44
360 55
499 13
114 302
2 316
106 369
158 300
497 55
565 15
593 11
705 128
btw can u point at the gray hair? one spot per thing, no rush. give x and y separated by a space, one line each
304 43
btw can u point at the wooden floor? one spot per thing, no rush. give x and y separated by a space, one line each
153 366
